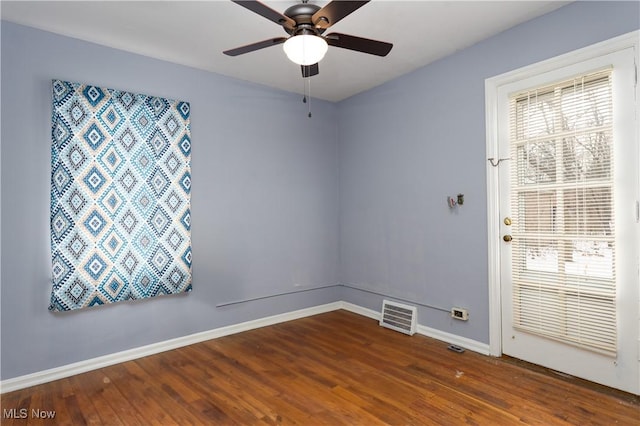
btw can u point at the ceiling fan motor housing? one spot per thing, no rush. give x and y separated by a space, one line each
302 14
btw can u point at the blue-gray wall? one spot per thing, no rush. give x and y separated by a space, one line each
264 202
408 144
360 201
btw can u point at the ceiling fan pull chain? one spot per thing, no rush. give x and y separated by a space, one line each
309 82
304 89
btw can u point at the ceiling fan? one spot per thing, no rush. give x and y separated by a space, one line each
306 23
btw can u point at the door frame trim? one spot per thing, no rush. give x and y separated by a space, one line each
492 85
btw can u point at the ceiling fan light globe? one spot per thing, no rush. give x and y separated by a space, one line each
305 49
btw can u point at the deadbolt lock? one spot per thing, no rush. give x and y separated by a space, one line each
507 238
507 221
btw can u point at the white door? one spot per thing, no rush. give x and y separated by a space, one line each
568 208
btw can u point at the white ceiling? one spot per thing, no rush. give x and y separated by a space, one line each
194 33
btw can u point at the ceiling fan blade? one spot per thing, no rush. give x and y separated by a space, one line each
255 46
309 70
265 11
359 44
335 11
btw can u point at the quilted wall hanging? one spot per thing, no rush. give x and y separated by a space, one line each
120 196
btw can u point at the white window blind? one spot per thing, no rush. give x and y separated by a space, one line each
563 249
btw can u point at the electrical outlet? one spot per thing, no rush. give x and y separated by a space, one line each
460 313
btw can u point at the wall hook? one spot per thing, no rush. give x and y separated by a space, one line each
496 163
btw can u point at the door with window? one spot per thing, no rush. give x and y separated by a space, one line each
569 212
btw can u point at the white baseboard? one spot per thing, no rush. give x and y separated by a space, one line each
365 312
454 339
52 374
68 370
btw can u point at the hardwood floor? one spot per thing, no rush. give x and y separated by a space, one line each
337 368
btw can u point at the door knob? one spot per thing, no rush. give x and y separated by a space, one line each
507 238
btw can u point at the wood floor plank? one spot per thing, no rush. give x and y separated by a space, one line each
332 369
91 389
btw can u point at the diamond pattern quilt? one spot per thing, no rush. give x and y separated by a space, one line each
120 196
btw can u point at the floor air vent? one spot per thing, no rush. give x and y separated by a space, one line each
398 317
